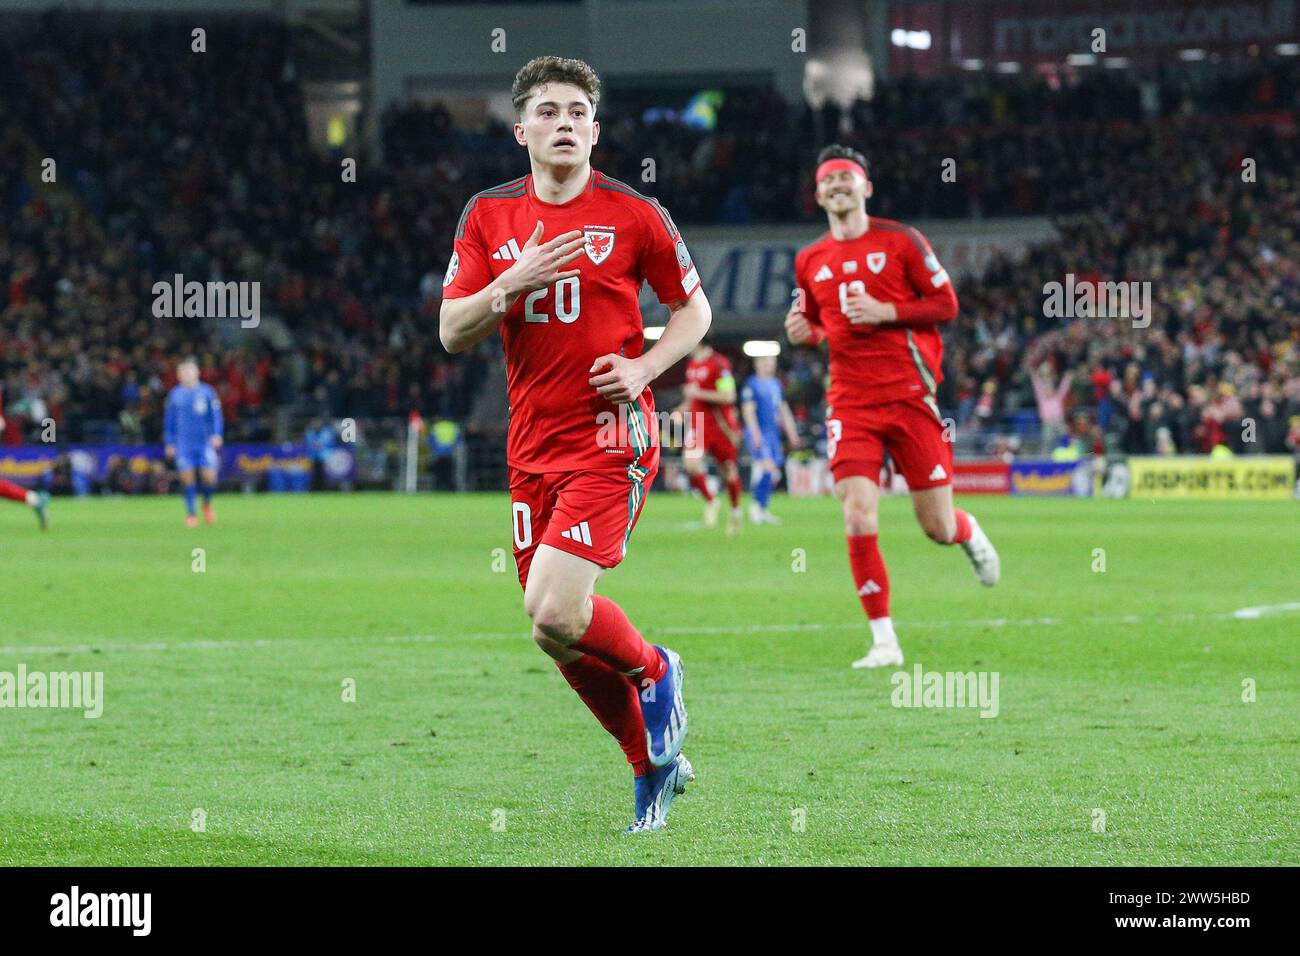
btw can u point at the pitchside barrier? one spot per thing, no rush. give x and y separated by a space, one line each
1257 477
1261 477
85 469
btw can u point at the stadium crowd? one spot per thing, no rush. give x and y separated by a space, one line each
161 178
157 175
1173 208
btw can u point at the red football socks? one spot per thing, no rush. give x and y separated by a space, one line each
612 698
869 574
700 482
611 638
733 491
13 492
963 527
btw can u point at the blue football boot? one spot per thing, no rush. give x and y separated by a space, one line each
664 712
655 793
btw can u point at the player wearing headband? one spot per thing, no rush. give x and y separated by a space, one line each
875 291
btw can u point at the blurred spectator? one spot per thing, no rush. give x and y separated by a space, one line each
320 440
446 455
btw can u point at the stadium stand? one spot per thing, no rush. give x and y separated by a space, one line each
157 176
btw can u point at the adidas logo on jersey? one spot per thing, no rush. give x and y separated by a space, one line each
938 474
579 532
871 587
823 274
509 251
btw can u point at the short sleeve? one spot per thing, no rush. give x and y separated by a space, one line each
665 262
468 271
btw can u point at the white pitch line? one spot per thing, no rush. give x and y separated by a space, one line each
109 647
1242 614
1251 613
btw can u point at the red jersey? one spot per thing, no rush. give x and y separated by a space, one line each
713 374
872 364
552 336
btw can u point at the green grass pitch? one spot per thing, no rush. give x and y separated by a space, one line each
1121 691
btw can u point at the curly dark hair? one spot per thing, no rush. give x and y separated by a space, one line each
554 69
836 151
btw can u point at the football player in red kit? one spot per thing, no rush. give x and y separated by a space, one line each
874 289
554 261
38 501
714 430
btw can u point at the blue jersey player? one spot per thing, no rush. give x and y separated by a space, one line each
192 430
766 414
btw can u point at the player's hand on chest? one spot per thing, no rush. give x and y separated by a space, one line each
605 274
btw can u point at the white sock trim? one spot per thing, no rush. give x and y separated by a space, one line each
882 632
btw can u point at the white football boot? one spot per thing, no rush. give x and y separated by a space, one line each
983 556
881 655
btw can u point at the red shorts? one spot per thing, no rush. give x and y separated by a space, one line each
587 513
911 430
714 441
